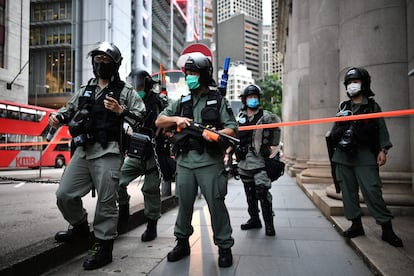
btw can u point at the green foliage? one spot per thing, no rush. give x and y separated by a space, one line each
272 94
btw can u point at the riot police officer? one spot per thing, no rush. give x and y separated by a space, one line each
94 115
361 147
255 146
199 159
145 165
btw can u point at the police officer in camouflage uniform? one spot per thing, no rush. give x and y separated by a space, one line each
94 115
199 159
255 146
134 167
361 147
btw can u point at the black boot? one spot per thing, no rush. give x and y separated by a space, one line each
181 250
99 255
267 211
252 208
389 236
225 258
151 232
78 232
252 223
123 218
355 230
269 227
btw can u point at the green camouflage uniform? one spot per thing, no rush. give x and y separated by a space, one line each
93 166
359 169
205 170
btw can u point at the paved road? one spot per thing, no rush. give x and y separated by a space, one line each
28 209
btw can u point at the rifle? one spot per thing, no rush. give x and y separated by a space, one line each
224 77
216 136
197 129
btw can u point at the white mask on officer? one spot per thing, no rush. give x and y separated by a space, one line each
353 88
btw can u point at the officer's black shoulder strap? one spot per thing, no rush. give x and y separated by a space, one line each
345 105
185 108
257 117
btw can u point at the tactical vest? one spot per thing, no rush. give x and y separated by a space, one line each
210 116
106 125
365 132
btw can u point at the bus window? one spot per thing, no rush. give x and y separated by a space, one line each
3 111
63 147
27 114
40 115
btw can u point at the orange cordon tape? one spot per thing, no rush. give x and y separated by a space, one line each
395 113
28 144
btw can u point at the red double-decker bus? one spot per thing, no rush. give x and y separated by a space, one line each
23 130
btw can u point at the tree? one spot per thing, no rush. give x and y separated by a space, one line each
272 94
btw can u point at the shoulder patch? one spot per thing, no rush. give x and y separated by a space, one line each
128 85
186 98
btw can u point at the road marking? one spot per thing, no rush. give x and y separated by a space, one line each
20 184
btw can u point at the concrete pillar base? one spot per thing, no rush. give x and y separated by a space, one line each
297 167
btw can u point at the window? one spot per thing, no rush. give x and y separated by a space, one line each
145 41
144 22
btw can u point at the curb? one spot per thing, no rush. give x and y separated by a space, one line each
42 256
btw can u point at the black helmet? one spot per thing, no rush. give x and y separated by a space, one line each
106 70
359 73
140 78
250 89
109 49
202 65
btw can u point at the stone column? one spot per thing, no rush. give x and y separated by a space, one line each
296 94
289 88
410 48
323 85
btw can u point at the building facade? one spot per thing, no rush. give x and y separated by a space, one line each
63 32
267 50
14 50
227 8
277 64
61 35
162 44
240 38
141 36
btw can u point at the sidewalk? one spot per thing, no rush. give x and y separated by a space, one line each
306 243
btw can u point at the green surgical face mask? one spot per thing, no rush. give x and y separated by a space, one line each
142 93
192 82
